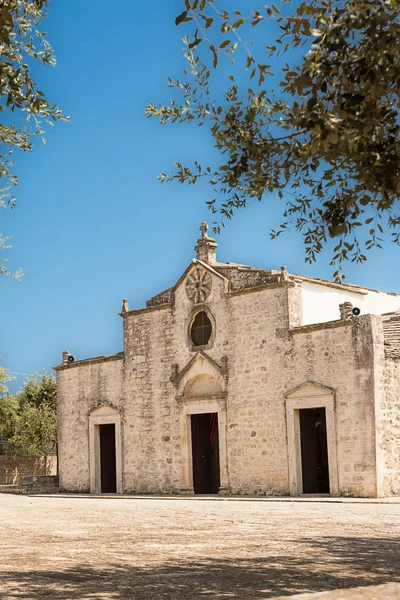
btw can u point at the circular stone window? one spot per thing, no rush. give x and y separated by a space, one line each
201 329
198 285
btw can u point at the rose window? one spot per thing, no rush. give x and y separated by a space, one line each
198 285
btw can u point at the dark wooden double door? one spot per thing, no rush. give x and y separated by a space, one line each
205 453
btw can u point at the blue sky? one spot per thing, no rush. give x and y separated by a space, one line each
93 224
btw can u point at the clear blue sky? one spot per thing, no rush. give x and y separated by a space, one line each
93 224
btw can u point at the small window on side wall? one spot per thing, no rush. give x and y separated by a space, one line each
200 331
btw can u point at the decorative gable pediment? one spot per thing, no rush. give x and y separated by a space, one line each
198 280
309 389
104 409
201 376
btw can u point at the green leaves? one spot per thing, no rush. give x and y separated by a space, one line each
27 109
29 419
183 18
324 135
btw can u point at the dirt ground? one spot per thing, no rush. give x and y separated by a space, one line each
181 549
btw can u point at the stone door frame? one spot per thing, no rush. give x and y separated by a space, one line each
104 415
196 405
310 396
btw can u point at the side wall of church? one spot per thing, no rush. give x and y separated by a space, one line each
340 355
80 389
270 361
389 430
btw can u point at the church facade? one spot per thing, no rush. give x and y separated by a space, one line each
239 380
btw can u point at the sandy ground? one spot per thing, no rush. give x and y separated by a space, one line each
136 549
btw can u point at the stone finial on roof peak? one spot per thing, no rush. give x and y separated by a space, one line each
204 229
206 246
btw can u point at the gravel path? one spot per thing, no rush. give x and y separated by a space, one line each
137 549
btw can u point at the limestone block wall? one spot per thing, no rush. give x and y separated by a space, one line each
12 468
151 436
265 352
258 343
154 340
340 355
389 430
80 388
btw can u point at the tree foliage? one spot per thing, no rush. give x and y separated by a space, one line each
4 270
8 406
5 376
23 106
8 416
323 133
29 419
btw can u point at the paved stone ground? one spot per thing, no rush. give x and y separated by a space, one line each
118 549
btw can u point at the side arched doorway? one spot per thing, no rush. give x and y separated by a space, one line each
105 452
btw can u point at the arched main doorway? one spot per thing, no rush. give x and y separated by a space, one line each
203 422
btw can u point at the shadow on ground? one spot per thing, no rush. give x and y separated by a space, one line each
331 563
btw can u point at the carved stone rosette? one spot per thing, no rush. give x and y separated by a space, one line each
198 285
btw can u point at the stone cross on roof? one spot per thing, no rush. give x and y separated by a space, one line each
204 229
206 246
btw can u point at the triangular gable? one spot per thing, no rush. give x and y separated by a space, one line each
309 389
207 364
104 408
206 266
168 293
201 365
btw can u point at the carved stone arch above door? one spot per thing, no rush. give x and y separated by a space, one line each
202 389
201 376
203 384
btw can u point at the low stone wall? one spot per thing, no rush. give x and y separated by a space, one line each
12 468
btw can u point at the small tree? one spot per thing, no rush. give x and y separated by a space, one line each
8 407
35 426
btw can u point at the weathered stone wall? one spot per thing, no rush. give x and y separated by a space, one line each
265 362
151 443
340 355
80 388
389 430
12 468
258 342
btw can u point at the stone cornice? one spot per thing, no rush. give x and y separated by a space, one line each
149 309
182 398
321 326
265 286
89 361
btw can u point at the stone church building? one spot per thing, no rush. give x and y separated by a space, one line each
239 380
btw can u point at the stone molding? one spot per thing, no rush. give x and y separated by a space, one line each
319 326
177 375
90 361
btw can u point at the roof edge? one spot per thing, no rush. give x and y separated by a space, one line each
89 361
